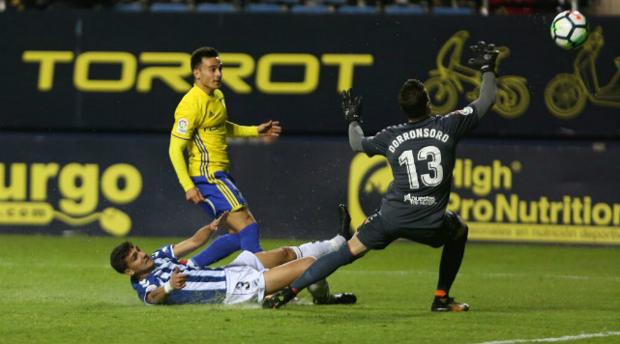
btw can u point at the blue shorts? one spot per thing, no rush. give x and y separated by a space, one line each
220 193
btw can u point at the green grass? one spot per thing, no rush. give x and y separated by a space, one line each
62 290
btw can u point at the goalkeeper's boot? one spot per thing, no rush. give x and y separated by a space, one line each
447 304
345 222
279 298
337 299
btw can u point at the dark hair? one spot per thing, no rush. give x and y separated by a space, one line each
413 99
201 52
118 255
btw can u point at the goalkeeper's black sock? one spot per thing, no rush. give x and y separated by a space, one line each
323 267
451 259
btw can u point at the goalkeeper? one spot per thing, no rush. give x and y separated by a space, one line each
421 156
201 127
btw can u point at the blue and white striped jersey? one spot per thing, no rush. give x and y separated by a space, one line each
204 285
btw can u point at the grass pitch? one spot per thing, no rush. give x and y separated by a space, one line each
62 290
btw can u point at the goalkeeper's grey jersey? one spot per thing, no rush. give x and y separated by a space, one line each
421 156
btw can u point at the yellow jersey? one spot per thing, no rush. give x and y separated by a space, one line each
202 120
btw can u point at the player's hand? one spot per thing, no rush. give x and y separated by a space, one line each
177 280
271 128
351 107
485 56
193 195
215 224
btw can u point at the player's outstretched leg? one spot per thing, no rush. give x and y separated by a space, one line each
322 268
345 222
320 292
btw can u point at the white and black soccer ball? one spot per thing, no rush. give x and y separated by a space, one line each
569 29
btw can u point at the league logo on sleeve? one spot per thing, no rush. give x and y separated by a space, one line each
182 126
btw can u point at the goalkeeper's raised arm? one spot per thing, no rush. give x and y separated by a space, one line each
485 56
352 110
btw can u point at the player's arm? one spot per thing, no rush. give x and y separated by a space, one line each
236 130
182 133
175 151
356 135
485 56
487 94
159 294
352 111
269 128
199 238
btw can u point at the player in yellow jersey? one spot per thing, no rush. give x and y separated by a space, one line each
201 126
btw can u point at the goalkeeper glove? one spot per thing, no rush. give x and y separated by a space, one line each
351 107
485 56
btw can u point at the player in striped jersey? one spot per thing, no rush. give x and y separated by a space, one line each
201 127
163 278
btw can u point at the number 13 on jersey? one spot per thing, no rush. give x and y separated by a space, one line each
430 153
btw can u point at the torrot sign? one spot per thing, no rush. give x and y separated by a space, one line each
172 68
86 74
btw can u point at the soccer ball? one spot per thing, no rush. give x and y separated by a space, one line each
569 29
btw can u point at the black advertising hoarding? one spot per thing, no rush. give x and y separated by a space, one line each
124 185
530 191
111 71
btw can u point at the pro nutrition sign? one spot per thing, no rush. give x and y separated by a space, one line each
526 192
124 185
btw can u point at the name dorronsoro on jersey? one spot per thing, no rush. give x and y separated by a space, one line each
420 133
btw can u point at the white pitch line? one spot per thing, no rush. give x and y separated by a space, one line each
483 274
557 339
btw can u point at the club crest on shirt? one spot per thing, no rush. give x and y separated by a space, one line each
466 111
182 126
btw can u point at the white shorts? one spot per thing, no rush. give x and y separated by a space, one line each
244 279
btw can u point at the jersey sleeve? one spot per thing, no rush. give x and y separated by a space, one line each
164 252
145 286
460 122
236 130
378 144
184 119
175 152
